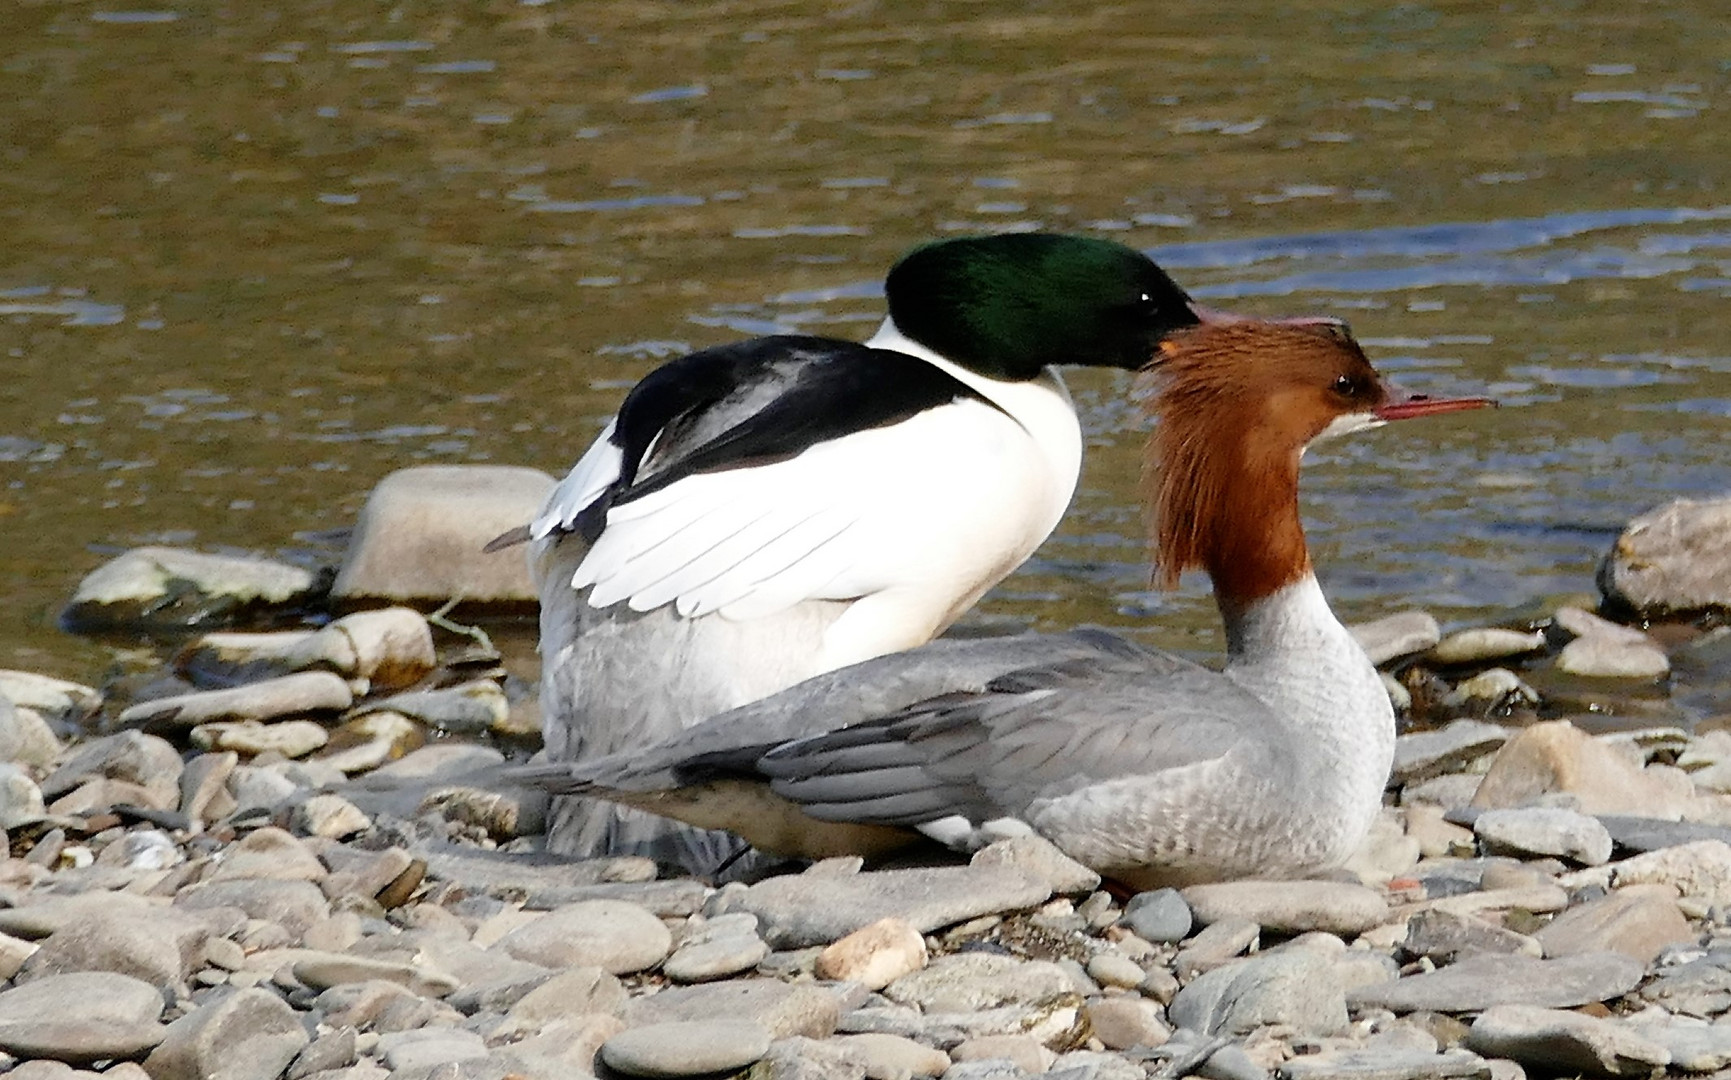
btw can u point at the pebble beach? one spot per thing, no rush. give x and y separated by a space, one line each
282 856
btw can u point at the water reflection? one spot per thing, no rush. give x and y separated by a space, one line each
253 259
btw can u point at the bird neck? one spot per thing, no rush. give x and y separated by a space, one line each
1227 503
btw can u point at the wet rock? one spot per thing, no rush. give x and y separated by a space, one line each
469 709
688 1048
1422 755
287 695
371 741
81 1018
1604 658
805 909
726 945
1397 635
1637 921
249 1035
784 1009
1673 559
1495 688
1554 1039
614 936
1578 622
1446 938
1161 915
1290 907
875 955
150 763
1299 988
57 701
1555 756
974 981
390 648
1536 830
420 535
1479 982
290 738
170 588
1477 645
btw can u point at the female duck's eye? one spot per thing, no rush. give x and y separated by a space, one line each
1346 386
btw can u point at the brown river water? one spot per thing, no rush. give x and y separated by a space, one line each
255 256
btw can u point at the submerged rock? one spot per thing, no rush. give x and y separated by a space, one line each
390 648
171 588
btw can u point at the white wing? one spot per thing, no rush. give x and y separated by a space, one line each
955 494
594 472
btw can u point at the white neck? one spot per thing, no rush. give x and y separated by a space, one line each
1041 405
1289 650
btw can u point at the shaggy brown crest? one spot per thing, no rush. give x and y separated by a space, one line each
1236 404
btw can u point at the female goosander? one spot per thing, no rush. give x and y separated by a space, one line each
761 512
1144 766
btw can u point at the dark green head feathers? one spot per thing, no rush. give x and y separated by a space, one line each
1007 306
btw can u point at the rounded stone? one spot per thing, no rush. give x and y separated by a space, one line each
250 1035
1112 969
686 1048
1606 658
610 934
715 957
421 534
874 956
81 1017
172 587
1486 643
1159 916
1123 1022
1538 830
1290 907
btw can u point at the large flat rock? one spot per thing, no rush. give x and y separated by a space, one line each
1480 982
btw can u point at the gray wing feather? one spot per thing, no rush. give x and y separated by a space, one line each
992 754
732 741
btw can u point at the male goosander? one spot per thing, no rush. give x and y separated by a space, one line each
761 512
1144 766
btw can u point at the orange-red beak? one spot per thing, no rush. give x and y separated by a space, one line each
1404 405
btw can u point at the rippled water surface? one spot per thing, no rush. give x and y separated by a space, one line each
253 257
